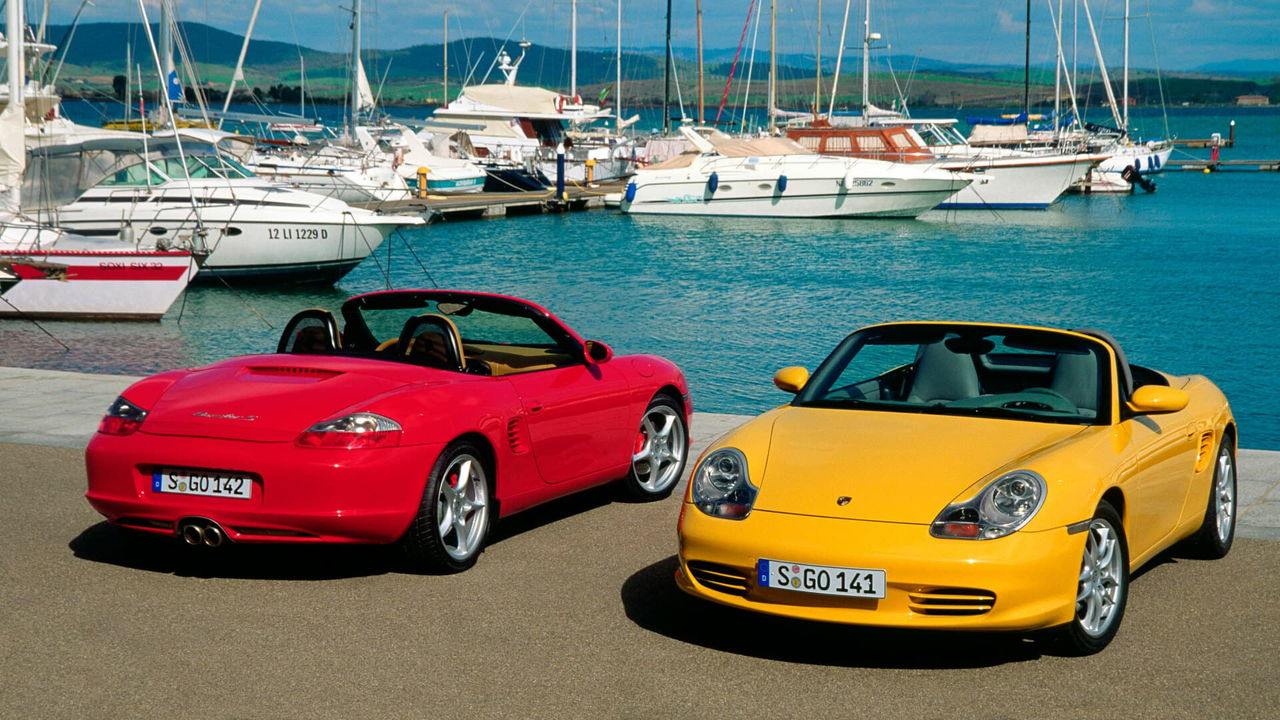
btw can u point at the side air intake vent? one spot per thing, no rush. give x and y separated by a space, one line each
515 435
1204 455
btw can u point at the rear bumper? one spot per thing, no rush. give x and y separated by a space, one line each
1021 582
299 495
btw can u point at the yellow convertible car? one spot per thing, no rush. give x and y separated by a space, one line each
962 476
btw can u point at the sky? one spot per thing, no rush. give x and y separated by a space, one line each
1186 33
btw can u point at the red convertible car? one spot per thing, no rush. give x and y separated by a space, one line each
430 415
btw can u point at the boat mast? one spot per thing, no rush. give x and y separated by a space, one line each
617 83
352 119
866 63
1124 86
244 48
1026 66
444 93
1102 65
773 65
15 36
817 75
666 93
702 110
1057 74
835 79
573 49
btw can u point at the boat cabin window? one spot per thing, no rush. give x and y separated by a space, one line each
900 140
135 174
871 143
810 142
201 167
838 143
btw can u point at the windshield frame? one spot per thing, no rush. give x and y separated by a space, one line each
829 371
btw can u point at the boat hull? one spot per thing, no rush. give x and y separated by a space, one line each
808 198
92 285
245 244
1017 184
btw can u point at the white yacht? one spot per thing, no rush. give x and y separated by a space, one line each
526 125
776 177
204 200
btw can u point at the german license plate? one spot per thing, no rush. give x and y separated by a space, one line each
202 482
821 579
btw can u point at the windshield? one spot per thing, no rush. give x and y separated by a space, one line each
496 336
1032 375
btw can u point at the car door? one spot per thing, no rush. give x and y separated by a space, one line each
577 418
1162 450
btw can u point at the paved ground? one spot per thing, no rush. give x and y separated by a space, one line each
570 612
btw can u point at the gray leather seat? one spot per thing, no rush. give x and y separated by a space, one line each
943 375
1075 377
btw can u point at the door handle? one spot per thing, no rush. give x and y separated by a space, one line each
535 407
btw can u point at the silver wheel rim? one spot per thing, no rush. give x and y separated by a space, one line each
462 506
1224 494
660 449
1099 593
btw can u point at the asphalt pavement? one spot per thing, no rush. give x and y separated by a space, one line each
571 611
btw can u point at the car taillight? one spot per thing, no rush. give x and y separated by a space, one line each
353 432
122 418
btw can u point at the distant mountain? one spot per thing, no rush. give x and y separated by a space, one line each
1250 68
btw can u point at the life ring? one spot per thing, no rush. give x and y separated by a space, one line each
577 100
559 102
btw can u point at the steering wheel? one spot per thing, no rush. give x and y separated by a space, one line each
1048 400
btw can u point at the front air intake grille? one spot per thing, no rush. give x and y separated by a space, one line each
951 601
723 578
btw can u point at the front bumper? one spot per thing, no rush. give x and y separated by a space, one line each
1024 581
299 495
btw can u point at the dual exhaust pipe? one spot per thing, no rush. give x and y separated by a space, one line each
199 531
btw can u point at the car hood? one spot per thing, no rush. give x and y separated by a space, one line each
893 466
272 398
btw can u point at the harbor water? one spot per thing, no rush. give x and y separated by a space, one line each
1186 278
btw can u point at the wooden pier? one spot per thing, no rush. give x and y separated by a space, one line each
498 204
1199 165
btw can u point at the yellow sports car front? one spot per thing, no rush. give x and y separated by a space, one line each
959 476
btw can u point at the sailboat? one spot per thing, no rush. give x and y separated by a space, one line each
48 273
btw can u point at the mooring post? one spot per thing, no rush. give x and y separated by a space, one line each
560 194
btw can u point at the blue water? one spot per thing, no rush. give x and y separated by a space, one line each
1187 279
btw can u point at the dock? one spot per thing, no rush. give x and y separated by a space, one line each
499 204
1201 165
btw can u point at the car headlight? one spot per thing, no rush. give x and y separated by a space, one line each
1003 507
353 432
721 486
122 418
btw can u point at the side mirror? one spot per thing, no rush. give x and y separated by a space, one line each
596 352
791 379
1158 399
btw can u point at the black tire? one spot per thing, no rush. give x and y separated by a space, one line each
654 476
1088 635
1214 538
459 546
